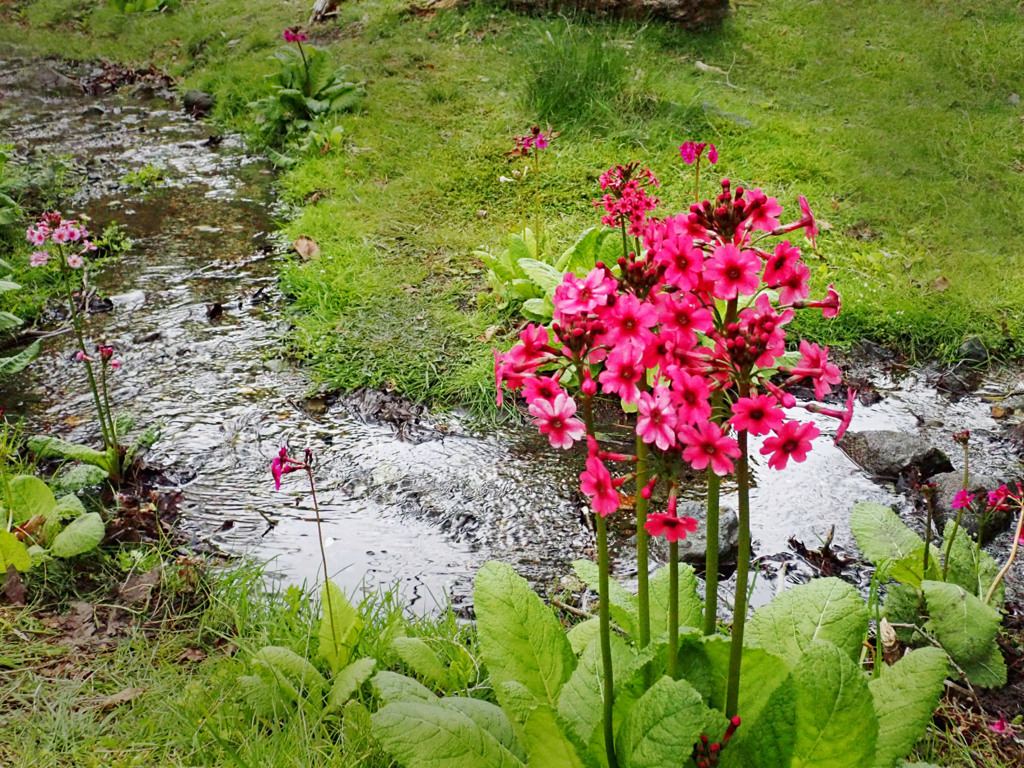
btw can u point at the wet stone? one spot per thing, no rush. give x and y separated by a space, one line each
694 548
951 483
888 454
973 350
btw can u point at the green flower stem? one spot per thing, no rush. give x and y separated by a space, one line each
959 516
536 196
642 592
604 615
739 617
929 497
696 181
673 610
305 67
711 556
323 556
76 324
115 447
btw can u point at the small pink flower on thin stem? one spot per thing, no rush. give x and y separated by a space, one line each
792 440
75 260
671 527
282 465
39 259
759 414
963 499
556 419
294 35
656 419
115 365
707 444
844 416
596 482
808 223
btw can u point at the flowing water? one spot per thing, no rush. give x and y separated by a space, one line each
200 327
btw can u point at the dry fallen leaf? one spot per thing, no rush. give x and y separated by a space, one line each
14 587
1000 412
489 333
139 587
192 654
306 247
123 697
940 284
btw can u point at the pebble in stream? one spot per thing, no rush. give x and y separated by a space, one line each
424 513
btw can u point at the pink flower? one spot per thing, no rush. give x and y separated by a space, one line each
39 259
815 365
623 371
708 444
115 364
541 388
294 35
758 414
764 212
691 396
733 272
962 499
81 357
844 416
793 439
75 260
780 264
671 527
674 248
581 296
832 305
37 235
712 154
1002 727
683 316
997 498
282 465
807 222
795 285
691 152
656 419
630 321
555 418
596 482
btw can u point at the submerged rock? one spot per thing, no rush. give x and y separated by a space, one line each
197 103
694 548
889 454
949 484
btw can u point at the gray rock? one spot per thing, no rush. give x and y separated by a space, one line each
197 103
949 484
131 300
693 549
888 454
50 80
973 350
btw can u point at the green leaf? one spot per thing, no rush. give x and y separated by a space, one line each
265 699
769 738
538 310
836 725
46 447
964 625
69 506
663 726
580 702
546 277
81 476
622 603
519 249
489 717
541 732
420 657
760 674
581 254
881 536
345 684
610 250
19 362
426 735
823 609
339 627
520 638
285 665
989 671
84 534
30 497
971 567
583 634
905 695
13 552
7 285
391 687
910 570
8 321
691 609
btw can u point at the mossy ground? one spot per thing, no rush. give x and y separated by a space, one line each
898 122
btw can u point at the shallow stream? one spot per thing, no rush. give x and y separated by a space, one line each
200 326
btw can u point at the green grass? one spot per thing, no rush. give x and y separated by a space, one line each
896 122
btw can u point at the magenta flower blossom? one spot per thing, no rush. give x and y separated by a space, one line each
556 419
706 444
796 284
630 321
75 260
712 154
282 465
733 272
37 235
623 371
807 222
1002 727
963 499
541 388
656 419
779 265
815 365
845 416
115 365
581 296
758 414
691 396
39 259
294 35
671 527
791 440
691 152
682 316
596 483
763 215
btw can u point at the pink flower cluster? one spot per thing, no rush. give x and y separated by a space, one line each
535 139
64 233
691 152
702 309
294 35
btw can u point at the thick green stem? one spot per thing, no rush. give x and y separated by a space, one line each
711 555
739 618
673 610
76 324
332 616
929 497
305 67
536 198
696 181
959 516
642 592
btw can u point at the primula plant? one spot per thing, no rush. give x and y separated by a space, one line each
64 245
16 363
306 89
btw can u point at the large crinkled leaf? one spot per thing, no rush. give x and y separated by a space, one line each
520 638
583 634
427 735
489 717
691 609
760 674
971 567
544 736
391 687
766 740
13 552
836 725
543 275
989 671
284 665
345 684
905 695
622 604
80 476
83 534
46 447
30 497
823 609
421 659
579 703
882 537
663 726
339 627
19 362
964 625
